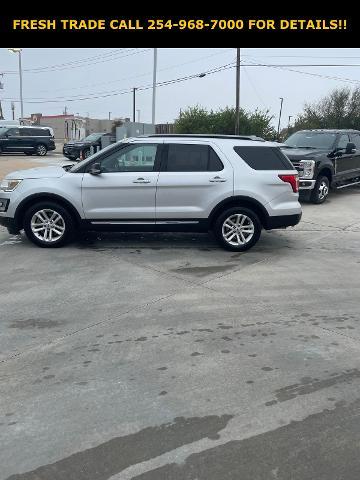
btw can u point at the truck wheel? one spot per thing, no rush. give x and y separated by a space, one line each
237 229
321 190
48 224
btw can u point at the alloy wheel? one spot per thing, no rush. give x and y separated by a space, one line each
41 150
238 229
47 225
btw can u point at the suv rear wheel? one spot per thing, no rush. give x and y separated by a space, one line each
41 150
321 190
237 229
48 224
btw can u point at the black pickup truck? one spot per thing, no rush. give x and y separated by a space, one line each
324 159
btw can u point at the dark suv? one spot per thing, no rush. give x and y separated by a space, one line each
80 149
28 140
324 159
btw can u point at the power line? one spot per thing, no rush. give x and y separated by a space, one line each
82 63
140 75
283 67
128 90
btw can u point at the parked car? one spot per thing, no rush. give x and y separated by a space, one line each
233 186
26 139
324 159
82 149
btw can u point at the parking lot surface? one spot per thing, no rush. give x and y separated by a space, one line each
162 356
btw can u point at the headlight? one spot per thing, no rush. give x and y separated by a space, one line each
309 167
9 185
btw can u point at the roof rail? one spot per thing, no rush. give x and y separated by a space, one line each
204 135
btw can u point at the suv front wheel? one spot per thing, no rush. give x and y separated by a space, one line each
48 224
237 229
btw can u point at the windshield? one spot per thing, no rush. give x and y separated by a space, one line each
311 140
3 130
93 137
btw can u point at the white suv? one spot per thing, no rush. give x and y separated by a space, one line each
234 186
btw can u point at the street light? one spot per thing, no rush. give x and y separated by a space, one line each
281 105
18 50
237 93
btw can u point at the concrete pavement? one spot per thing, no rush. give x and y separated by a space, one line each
164 357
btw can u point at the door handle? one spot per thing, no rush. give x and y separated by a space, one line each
141 180
217 180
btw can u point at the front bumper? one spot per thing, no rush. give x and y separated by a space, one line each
71 152
10 224
282 221
306 184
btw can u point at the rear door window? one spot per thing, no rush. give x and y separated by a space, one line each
25 132
264 158
39 132
192 158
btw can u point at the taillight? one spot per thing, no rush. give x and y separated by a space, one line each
293 179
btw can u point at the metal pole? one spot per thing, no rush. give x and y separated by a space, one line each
13 110
154 87
290 117
281 105
134 103
237 109
109 115
21 88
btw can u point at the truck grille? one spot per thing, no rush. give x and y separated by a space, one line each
299 167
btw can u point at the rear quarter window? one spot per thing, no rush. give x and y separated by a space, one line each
264 158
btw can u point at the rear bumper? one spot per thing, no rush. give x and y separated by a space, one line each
10 224
282 221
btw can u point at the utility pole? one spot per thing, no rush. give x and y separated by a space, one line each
154 87
18 50
290 117
109 115
237 108
134 103
281 105
13 110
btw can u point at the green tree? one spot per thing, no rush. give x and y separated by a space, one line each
339 109
200 120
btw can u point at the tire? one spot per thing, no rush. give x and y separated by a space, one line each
248 233
62 228
41 150
87 154
321 190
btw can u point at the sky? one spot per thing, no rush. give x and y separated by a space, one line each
57 78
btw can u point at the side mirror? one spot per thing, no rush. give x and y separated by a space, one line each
95 169
350 148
